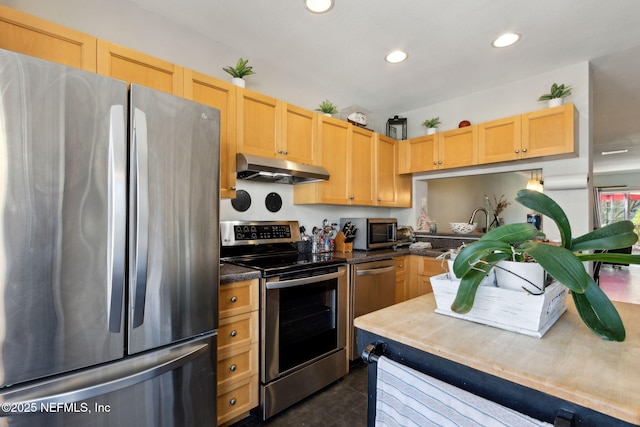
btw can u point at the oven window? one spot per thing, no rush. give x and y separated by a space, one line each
380 233
308 322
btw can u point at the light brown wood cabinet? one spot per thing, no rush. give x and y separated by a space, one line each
299 138
238 339
540 133
392 189
422 269
221 95
403 271
451 149
42 39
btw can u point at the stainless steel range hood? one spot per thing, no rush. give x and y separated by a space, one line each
256 168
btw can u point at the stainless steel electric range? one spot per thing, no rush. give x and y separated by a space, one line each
303 310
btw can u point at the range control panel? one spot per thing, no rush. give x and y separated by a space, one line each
258 232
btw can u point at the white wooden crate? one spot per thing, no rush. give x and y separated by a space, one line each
516 311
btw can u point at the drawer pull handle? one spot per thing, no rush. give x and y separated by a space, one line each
234 333
232 402
233 368
233 299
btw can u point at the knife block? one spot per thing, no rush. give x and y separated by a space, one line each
341 245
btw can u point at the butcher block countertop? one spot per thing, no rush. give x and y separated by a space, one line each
569 362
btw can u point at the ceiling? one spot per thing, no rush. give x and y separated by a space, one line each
449 50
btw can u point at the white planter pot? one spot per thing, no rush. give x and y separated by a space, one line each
555 102
431 131
516 275
238 81
327 114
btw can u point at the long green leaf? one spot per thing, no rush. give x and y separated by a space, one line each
471 254
613 236
512 233
542 203
467 290
598 313
560 263
610 257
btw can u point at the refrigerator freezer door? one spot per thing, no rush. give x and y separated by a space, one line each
172 387
62 207
173 219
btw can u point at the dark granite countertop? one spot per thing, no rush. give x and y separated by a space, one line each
230 273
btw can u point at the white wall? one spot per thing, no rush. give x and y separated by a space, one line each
507 100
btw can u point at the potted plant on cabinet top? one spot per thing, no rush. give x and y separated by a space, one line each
239 72
431 125
558 92
327 108
564 263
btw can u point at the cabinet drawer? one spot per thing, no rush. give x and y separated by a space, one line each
236 401
240 330
238 297
237 365
400 265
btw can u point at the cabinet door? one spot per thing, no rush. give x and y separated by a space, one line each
500 140
33 36
221 95
361 171
420 154
402 271
335 140
458 147
259 123
548 132
135 67
299 134
392 189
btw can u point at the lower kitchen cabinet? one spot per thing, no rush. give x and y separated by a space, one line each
422 269
402 277
237 350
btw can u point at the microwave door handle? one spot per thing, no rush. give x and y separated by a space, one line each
141 200
394 232
116 231
303 281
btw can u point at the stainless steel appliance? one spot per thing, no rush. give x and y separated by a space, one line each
373 286
303 310
373 233
109 251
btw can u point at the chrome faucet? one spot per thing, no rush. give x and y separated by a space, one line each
486 217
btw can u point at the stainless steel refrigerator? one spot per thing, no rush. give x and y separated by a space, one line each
109 251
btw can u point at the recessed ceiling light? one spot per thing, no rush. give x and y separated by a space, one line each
622 151
318 6
396 56
506 40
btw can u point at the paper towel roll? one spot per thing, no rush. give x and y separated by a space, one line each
566 182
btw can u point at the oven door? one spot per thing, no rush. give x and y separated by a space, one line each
303 319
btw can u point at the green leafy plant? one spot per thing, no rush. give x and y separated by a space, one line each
557 91
240 70
327 107
431 123
564 263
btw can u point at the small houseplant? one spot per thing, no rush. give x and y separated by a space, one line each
564 262
431 125
556 94
239 72
327 108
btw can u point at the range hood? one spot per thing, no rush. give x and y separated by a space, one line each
256 168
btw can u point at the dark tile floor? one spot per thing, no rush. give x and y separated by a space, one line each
341 404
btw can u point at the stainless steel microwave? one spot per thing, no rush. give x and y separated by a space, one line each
373 233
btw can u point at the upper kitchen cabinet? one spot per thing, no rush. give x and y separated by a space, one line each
33 36
347 154
500 140
221 95
418 154
259 124
548 132
458 147
392 189
299 134
135 67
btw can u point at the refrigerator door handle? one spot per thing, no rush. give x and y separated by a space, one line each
117 198
141 206
102 380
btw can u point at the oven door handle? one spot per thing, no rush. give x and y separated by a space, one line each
303 281
373 271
